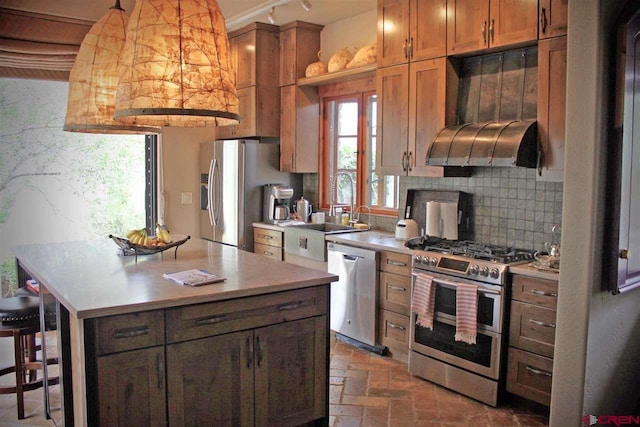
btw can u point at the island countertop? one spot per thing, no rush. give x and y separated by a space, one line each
91 280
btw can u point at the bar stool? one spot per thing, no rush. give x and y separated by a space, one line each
20 319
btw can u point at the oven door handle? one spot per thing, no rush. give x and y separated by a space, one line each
453 285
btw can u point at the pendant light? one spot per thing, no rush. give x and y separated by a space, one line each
94 78
176 66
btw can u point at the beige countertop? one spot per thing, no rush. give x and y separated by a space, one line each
91 280
373 239
268 226
531 271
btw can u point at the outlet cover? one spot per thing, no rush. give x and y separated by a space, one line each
187 198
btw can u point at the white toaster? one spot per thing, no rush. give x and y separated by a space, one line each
406 229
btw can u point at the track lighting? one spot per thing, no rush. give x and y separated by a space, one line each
272 15
306 5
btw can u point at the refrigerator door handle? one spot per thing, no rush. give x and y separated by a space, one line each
217 186
210 192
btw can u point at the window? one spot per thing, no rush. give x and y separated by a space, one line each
56 185
349 147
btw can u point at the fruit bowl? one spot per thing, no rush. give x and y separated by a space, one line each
129 248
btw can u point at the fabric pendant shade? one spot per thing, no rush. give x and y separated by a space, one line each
177 67
94 78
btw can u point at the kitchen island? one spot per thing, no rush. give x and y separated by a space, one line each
136 348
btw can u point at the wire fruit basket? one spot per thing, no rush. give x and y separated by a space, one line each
129 249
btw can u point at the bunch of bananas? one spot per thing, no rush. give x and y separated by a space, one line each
162 233
139 237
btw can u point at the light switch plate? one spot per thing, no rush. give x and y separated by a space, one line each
187 198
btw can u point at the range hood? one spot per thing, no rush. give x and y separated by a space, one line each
499 143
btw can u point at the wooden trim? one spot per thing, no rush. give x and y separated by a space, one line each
364 72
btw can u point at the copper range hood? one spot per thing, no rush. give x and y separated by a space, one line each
501 143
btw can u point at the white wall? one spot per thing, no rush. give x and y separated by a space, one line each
357 31
597 353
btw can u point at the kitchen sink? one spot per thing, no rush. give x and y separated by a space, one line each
307 240
329 228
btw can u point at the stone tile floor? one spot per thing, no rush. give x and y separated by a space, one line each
365 390
371 390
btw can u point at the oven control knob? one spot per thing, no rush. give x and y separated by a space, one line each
417 259
484 271
425 260
494 273
434 262
474 269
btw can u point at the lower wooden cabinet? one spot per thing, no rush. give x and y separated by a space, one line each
532 331
131 388
268 243
254 361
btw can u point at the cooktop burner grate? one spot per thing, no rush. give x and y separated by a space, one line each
470 249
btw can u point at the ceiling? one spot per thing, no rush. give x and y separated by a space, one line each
237 12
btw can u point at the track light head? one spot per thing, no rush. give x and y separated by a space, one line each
306 5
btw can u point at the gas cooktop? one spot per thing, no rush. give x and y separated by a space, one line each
470 249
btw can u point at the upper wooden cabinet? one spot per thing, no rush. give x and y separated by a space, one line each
553 18
299 47
254 55
482 24
552 88
411 30
407 119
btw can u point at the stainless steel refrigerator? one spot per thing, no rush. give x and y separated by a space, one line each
232 176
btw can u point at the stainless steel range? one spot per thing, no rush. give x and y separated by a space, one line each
475 370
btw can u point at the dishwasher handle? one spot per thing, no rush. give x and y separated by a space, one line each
352 258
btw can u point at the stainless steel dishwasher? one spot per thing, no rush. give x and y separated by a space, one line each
354 295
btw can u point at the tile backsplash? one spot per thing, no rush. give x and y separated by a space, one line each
509 206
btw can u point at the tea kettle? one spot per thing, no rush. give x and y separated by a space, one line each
303 208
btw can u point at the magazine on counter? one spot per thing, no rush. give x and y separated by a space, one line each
193 277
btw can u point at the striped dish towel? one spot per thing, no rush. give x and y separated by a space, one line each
423 299
466 313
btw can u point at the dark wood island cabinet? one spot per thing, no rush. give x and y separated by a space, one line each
142 350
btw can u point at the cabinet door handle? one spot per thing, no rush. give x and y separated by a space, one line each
543 20
543 293
160 370
211 320
397 288
131 332
250 352
266 236
410 161
292 306
267 253
537 371
404 161
484 32
394 326
260 351
291 161
539 323
491 26
411 47
396 263
405 50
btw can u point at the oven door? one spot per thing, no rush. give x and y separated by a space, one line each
482 358
490 302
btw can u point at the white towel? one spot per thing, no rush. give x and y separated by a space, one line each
466 313
423 299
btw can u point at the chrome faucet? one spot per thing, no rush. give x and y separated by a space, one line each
334 180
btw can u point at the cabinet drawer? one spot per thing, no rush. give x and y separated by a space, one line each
395 293
535 291
529 376
128 331
268 251
532 328
202 320
395 263
393 330
267 237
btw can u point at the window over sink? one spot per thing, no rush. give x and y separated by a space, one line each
348 147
